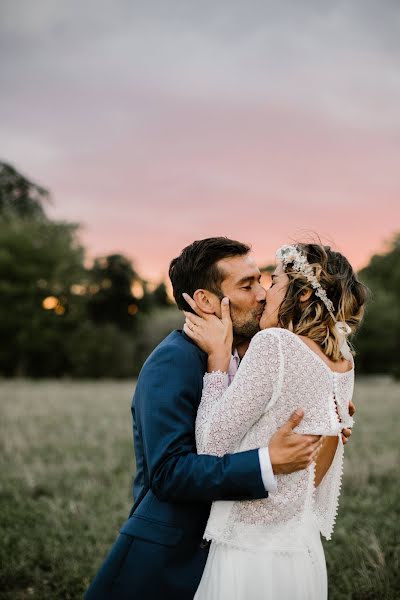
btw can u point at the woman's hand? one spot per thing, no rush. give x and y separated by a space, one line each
213 335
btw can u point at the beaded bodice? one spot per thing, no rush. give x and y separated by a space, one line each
278 374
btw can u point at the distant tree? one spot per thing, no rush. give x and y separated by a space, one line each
378 341
56 317
384 269
153 327
19 196
160 296
111 298
99 351
40 263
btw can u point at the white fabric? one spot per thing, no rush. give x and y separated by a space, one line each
267 473
344 330
278 374
295 572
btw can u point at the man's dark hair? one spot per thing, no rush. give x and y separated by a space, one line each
195 268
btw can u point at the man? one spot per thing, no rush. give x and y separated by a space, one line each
160 552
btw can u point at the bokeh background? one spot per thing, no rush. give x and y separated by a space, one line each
127 131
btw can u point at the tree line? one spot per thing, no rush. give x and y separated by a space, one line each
59 317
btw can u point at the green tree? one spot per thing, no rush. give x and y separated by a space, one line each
378 341
154 299
20 197
111 298
41 263
101 350
153 328
160 296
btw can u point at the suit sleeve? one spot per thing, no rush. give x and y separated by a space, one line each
168 405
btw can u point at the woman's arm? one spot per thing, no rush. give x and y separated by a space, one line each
225 415
216 428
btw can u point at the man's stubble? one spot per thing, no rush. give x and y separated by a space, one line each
245 328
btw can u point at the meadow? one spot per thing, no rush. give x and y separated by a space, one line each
67 463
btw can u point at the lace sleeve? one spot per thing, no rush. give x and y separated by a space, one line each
226 414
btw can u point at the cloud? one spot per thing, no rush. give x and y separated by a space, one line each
182 118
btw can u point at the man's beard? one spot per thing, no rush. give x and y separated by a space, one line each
246 329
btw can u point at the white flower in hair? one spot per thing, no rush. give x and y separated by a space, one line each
294 256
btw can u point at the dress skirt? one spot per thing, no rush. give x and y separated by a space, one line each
275 571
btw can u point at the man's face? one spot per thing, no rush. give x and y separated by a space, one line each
247 296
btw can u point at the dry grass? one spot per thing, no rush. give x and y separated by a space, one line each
66 474
363 556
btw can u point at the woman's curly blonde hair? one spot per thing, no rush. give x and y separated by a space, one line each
311 318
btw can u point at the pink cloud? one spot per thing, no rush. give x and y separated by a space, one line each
264 177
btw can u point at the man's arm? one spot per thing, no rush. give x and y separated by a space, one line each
169 393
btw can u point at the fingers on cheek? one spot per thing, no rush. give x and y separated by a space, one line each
188 331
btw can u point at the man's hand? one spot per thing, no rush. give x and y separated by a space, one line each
289 451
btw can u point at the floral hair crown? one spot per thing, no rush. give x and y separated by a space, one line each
293 255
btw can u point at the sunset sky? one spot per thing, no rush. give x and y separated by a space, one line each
157 123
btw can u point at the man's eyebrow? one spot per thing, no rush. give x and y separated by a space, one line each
249 278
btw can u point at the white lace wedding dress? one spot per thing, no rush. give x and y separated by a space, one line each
271 548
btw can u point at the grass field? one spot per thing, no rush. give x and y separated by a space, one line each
66 473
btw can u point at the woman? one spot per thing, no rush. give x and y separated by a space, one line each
271 548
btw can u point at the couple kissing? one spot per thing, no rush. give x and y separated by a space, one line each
239 425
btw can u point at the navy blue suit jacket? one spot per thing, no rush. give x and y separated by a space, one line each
159 552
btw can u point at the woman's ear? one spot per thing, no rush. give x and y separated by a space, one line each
305 295
206 301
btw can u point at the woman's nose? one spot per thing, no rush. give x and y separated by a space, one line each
261 294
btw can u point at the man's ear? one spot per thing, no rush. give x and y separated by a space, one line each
206 301
305 295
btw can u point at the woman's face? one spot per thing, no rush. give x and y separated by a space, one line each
274 297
